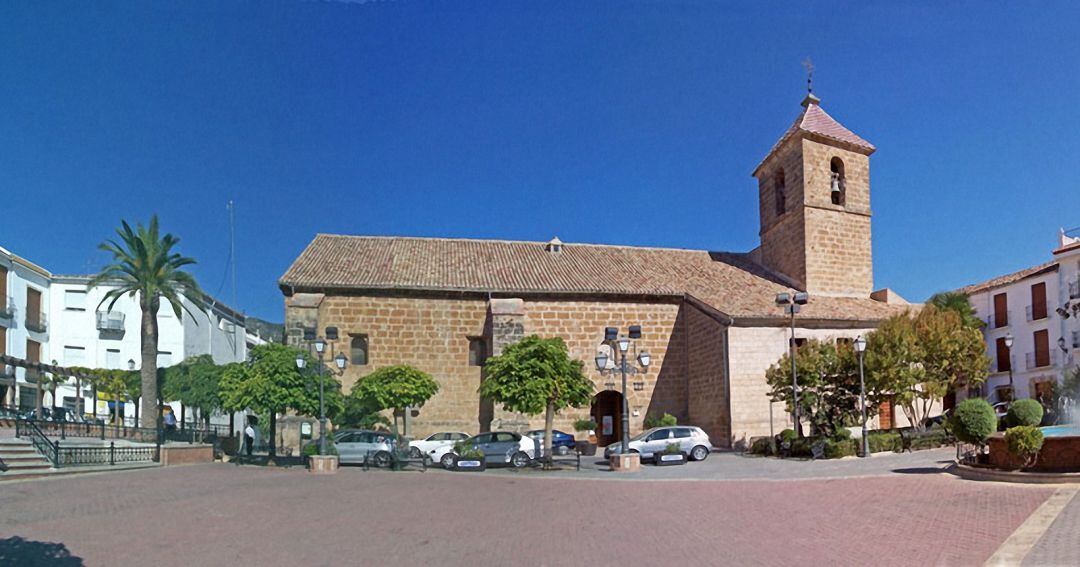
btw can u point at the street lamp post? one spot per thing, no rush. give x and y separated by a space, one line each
620 349
1009 344
791 303
340 360
860 348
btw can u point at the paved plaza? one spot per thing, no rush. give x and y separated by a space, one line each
888 510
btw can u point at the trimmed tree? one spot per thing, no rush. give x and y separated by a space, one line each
973 421
828 385
195 382
918 359
537 375
269 382
391 387
145 267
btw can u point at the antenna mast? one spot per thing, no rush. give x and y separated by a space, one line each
232 251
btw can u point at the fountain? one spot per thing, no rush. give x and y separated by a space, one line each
1061 445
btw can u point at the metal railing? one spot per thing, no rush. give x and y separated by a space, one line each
993 321
60 456
37 322
41 443
1031 361
7 307
110 321
1030 313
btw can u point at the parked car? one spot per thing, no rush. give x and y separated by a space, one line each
354 444
435 441
691 440
499 447
561 443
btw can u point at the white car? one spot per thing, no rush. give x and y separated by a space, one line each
435 441
691 440
499 447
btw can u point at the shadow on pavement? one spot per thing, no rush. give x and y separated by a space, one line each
19 551
919 470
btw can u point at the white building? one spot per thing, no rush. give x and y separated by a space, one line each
1038 310
24 325
59 320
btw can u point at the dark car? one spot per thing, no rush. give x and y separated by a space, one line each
561 442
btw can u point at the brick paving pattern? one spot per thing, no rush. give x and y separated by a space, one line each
1060 545
223 514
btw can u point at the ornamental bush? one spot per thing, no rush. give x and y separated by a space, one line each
1025 412
762 446
788 436
312 449
974 421
1024 442
837 448
666 420
583 425
880 441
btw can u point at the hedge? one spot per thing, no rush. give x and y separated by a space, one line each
1025 412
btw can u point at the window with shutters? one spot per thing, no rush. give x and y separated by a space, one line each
1042 348
1001 310
1004 358
1038 301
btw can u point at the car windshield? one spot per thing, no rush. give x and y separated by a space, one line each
643 434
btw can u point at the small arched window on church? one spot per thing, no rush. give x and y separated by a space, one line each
781 193
837 189
358 350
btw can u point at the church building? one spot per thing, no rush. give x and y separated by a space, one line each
709 320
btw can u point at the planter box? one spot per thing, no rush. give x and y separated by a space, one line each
630 462
477 465
668 459
324 464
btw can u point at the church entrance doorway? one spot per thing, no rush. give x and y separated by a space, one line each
606 411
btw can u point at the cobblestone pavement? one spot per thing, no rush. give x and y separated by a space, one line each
1060 545
218 514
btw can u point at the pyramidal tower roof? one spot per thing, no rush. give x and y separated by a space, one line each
814 120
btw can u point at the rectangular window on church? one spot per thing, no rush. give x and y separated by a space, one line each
358 350
477 351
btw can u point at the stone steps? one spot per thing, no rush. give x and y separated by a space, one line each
29 474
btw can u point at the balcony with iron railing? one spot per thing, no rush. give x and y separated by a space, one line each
7 308
1074 289
37 322
1029 311
998 321
110 321
1031 362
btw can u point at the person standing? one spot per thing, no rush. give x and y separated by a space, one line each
249 438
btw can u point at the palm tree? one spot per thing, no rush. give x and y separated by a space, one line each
145 267
958 302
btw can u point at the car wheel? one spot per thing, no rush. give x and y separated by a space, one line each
415 453
562 450
382 459
447 461
699 453
519 460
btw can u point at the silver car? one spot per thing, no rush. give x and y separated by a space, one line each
353 446
691 440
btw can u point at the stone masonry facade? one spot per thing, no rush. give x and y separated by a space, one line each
686 377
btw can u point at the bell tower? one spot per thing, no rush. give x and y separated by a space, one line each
814 206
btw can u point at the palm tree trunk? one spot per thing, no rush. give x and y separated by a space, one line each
39 399
148 373
80 407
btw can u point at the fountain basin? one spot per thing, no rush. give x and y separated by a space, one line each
1060 451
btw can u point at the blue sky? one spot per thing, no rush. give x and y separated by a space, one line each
610 122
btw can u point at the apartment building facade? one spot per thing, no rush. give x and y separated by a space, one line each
1032 323
59 320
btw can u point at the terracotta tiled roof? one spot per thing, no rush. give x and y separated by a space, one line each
730 283
814 120
1010 278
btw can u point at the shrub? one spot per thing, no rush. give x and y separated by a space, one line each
841 433
1025 412
837 448
666 420
788 436
801 447
312 449
583 425
1024 441
672 449
763 446
880 441
973 421
468 451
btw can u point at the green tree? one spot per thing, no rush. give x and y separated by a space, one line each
392 387
195 382
537 375
145 267
828 378
917 359
958 302
114 384
269 382
361 414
